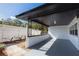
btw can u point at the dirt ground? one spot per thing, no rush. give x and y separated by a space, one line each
18 43
21 44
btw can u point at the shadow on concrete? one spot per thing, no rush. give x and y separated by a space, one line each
62 47
39 45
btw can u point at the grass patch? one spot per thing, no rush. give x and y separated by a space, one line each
2 45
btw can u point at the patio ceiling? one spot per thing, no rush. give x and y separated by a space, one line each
56 9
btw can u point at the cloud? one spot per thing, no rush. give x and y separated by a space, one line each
12 17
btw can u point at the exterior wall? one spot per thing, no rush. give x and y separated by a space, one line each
62 32
74 39
34 40
58 32
7 32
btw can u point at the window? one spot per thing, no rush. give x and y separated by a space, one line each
35 29
77 14
73 30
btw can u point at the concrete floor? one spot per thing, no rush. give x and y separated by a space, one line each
62 48
58 48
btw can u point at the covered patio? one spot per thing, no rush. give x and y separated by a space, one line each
58 18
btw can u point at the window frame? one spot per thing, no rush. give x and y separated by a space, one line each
74 30
30 29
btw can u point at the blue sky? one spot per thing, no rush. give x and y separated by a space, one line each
11 9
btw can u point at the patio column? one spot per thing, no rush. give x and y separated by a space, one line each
29 32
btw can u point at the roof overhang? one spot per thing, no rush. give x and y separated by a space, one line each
48 9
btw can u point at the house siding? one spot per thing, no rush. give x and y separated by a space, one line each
74 39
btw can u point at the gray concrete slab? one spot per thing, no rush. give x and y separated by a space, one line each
60 47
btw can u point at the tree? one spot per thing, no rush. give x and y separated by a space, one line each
0 22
